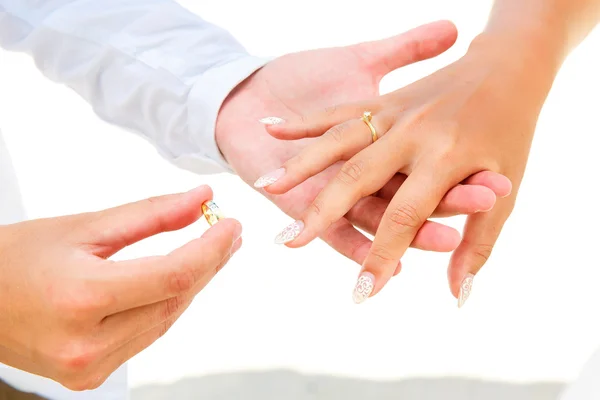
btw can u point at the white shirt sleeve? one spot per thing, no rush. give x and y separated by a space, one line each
149 66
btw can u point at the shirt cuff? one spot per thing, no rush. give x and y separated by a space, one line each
205 100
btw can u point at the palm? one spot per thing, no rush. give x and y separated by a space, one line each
299 83
312 80
290 86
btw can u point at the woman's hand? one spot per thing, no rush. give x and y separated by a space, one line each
297 84
478 114
69 314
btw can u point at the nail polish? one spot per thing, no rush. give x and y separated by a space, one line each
270 178
465 289
364 287
271 121
291 232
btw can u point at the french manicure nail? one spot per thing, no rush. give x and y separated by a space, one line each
270 178
364 287
271 120
291 232
465 289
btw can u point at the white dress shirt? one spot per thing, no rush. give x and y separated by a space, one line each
149 66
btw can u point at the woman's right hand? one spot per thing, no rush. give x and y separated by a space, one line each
70 314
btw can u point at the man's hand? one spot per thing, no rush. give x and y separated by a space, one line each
70 314
299 83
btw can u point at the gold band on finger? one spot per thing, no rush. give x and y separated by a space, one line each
212 212
367 117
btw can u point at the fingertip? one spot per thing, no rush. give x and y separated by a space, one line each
498 183
505 188
286 130
444 34
277 188
447 240
447 26
237 245
202 192
437 237
453 239
398 268
226 226
277 132
485 199
454 275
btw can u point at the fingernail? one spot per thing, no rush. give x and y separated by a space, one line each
236 245
212 212
271 120
201 188
290 232
465 289
270 178
237 233
364 287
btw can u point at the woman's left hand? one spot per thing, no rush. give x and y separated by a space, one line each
477 114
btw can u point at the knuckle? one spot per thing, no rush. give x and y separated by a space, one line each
75 383
181 279
351 172
356 251
413 48
164 328
83 382
481 252
78 303
315 208
330 111
404 218
337 133
223 263
96 381
171 307
74 357
382 254
296 163
153 205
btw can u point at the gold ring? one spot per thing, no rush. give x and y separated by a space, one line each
367 117
212 212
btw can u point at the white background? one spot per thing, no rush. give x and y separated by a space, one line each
534 311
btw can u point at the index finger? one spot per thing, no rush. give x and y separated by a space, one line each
135 283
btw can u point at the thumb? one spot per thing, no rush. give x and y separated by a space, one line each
418 44
116 228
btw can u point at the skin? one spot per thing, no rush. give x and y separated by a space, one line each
70 314
297 84
75 316
102 316
477 114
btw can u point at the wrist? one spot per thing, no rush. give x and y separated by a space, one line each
523 61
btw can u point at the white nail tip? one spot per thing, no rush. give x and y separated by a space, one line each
290 233
271 121
465 290
265 181
364 288
269 178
